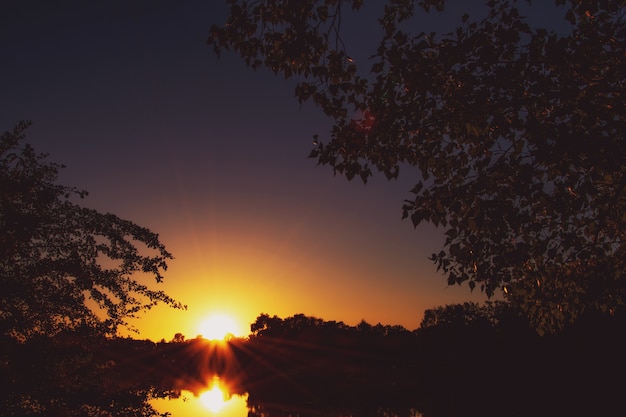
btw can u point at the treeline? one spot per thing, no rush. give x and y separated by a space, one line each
463 360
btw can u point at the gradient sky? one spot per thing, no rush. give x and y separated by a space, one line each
213 157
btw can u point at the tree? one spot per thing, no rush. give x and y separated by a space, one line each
267 326
178 338
516 131
460 315
63 266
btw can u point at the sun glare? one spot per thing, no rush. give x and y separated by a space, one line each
218 327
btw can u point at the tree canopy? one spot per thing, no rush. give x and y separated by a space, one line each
516 130
64 266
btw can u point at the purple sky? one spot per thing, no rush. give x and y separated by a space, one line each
213 157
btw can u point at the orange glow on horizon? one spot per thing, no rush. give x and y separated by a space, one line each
243 279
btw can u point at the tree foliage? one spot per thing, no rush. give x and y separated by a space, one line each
64 266
517 133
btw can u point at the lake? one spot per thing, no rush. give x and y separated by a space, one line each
215 400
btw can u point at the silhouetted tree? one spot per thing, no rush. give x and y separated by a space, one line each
264 325
516 131
63 266
178 338
69 279
457 315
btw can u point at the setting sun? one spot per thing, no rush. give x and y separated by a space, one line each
218 327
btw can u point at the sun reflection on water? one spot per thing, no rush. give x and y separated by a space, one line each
215 400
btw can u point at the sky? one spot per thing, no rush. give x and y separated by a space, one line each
213 157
